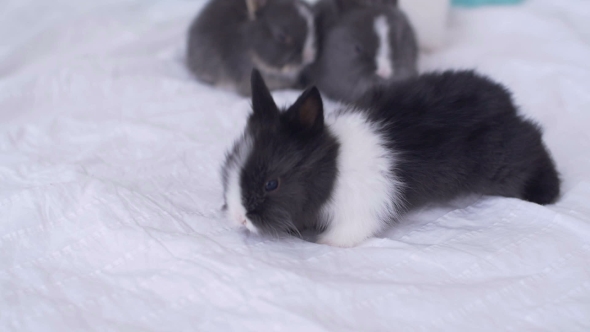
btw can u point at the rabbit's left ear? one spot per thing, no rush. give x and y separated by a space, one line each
263 105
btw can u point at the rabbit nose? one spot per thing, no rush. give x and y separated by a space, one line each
384 71
308 55
240 219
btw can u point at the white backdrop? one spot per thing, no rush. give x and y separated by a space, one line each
110 193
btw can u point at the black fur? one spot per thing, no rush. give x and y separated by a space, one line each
452 133
293 146
459 133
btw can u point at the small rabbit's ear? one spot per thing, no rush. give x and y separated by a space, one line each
307 113
254 6
263 106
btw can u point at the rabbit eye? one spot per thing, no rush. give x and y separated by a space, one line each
358 49
271 185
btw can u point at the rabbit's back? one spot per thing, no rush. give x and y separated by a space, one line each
214 42
459 133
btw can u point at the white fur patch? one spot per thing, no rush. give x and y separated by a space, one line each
366 191
383 55
309 48
233 195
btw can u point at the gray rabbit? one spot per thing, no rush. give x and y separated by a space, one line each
231 37
363 43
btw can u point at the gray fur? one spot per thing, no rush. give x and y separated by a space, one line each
227 40
344 73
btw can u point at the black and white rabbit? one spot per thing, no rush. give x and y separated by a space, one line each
430 138
231 37
363 43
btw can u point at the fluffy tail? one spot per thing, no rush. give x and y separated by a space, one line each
543 186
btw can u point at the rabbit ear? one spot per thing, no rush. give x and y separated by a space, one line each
263 105
307 113
254 6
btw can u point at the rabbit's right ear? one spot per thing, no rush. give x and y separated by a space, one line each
254 6
263 105
306 115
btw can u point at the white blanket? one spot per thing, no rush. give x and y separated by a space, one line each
110 190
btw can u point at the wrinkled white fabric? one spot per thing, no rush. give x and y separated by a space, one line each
110 190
